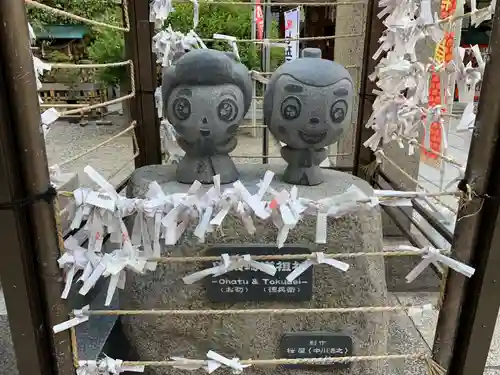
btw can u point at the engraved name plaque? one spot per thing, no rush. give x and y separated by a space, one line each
316 345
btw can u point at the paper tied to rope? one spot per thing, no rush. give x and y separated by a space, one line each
80 316
183 210
159 11
196 13
336 206
397 198
257 76
480 15
73 260
32 34
169 142
232 42
47 118
286 212
214 362
316 258
392 115
106 366
468 118
147 228
434 115
108 210
159 102
433 255
255 201
40 69
229 264
114 265
169 44
396 74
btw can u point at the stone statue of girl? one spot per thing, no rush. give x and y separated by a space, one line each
206 94
307 106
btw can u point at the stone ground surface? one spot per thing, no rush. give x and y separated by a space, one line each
66 140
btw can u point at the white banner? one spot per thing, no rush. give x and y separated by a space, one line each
292 30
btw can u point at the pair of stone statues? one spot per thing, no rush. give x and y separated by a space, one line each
206 94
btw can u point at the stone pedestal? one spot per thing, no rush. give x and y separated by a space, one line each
257 336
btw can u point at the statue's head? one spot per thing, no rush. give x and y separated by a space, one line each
308 101
206 93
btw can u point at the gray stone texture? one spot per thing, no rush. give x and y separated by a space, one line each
307 106
206 94
258 336
8 363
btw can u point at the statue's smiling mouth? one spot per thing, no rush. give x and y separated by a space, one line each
312 137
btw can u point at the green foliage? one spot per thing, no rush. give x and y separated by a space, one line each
107 45
93 9
225 19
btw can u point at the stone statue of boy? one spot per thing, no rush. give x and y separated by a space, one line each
307 106
206 94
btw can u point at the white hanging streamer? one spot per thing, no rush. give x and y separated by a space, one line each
159 11
232 42
403 82
214 362
196 13
162 216
73 260
80 316
168 44
335 206
228 264
106 366
169 137
316 258
480 15
432 255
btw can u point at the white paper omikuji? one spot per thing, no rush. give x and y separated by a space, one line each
163 216
229 264
106 366
402 98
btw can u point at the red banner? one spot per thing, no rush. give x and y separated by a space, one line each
442 54
259 20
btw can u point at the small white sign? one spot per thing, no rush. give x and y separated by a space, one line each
292 31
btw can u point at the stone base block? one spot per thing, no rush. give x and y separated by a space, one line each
257 336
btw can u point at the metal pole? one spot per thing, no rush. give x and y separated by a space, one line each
467 318
24 146
254 82
266 67
374 29
142 107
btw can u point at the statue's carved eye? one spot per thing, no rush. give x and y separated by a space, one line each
338 111
290 108
227 110
182 108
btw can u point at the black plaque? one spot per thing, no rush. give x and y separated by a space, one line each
255 285
316 345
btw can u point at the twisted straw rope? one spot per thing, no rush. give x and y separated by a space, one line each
286 256
323 4
109 102
442 156
306 38
63 13
329 310
103 143
294 361
417 183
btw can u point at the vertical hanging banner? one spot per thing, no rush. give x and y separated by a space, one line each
259 20
442 54
292 31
